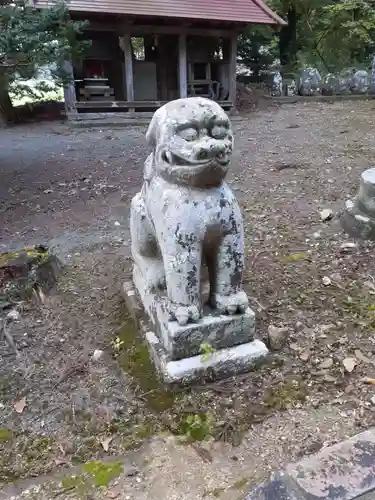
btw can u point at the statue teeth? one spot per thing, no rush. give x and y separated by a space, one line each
169 157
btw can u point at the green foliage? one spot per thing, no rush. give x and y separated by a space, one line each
347 33
287 393
5 435
257 48
32 39
73 483
103 473
328 34
95 474
196 427
295 257
207 351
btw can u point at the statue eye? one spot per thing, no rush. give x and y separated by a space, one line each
219 132
189 134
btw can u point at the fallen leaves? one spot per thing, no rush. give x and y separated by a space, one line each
13 315
326 214
203 453
20 405
114 493
97 354
326 364
305 355
349 364
105 443
326 281
277 336
361 357
61 461
348 245
368 380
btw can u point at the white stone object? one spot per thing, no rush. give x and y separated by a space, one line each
97 354
185 217
360 82
290 88
13 315
331 84
326 214
309 82
275 83
222 363
358 218
345 78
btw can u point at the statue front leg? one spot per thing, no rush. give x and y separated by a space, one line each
226 293
145 252
182 264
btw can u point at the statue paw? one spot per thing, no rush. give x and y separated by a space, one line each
155 277
184 314
231 304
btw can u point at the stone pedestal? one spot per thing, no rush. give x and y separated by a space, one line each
176 350
358 219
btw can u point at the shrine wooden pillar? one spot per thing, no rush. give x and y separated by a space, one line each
182 65
233 69
128 57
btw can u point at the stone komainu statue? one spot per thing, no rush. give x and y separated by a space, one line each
186 214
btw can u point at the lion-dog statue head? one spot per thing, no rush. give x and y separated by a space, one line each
192 143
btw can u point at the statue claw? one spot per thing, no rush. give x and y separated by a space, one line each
230 304
184 314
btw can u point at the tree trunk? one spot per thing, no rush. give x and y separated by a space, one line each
7 112
288 41
372 83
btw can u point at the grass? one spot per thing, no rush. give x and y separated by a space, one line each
287 393
23 455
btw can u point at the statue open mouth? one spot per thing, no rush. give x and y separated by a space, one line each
176 159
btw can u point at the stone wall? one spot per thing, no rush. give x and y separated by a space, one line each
309 82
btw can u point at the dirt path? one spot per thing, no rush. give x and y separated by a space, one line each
289 164
58 182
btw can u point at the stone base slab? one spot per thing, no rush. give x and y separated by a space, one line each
345 471
219 364
180 342
357 224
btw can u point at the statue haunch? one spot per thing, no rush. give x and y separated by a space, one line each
186 214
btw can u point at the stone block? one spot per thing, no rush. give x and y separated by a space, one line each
358 218
181 341
221 363
356 223
272 490
26 270
344 471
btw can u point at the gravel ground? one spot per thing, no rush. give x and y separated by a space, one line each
73 189
58 183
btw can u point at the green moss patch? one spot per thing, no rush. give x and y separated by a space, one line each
25 270
134 358
286 394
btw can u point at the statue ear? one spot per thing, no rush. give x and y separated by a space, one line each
152 130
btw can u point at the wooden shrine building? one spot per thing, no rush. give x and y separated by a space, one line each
146 52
